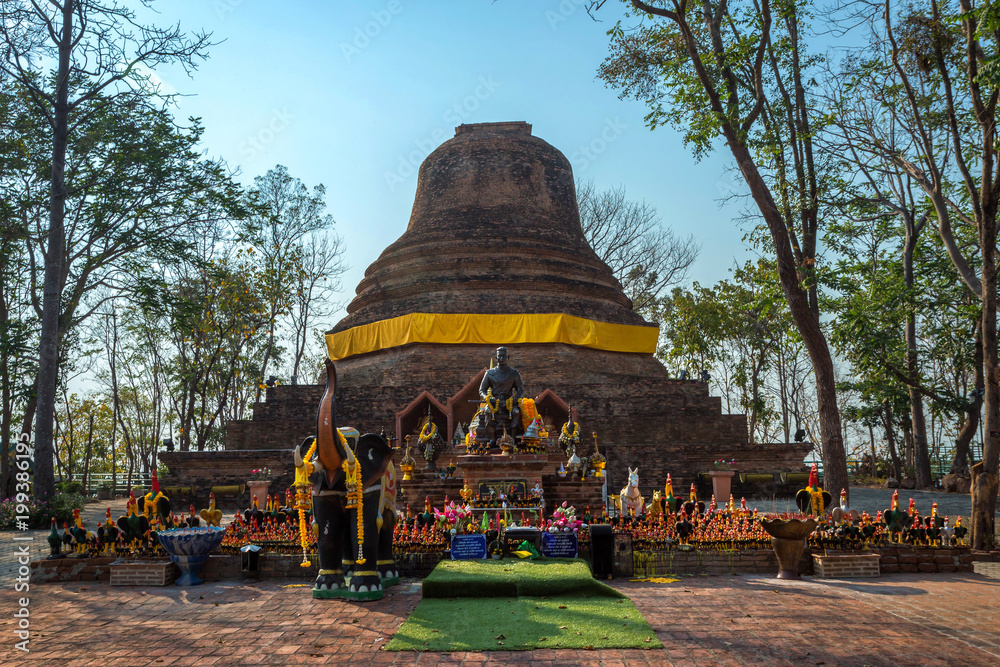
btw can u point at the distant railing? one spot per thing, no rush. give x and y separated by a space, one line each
122 486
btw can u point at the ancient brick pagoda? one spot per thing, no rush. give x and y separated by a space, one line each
494 254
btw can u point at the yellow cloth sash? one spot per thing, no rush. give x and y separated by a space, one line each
476 329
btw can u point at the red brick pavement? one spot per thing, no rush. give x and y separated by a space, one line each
944 619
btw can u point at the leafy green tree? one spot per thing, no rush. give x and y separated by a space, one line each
210 317
741 72
287 214
741 332
929 67
137 183
100 51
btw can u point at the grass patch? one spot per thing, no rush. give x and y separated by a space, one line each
512 605
514 578
523 623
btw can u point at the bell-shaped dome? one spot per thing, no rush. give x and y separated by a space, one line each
495 229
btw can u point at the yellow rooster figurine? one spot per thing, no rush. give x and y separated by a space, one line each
211 516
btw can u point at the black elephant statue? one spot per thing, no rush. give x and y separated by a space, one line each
353 498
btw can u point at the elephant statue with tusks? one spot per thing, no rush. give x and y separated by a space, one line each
353 497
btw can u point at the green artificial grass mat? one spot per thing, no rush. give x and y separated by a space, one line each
514 578
523 623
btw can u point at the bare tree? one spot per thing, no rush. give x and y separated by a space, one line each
646 257
288 213
101 44
322 264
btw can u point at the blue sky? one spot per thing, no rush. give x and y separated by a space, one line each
355 95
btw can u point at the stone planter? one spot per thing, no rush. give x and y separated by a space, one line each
189 549
259 488
788 539
722 484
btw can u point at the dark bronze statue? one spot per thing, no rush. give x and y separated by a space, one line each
501 390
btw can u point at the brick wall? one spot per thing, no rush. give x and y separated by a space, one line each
142 574
203 470
890 561
852 566
672 561
71 569
925 559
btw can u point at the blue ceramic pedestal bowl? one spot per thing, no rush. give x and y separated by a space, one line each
189 548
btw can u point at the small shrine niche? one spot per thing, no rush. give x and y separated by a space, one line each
412 418
553 411
533 458
463 405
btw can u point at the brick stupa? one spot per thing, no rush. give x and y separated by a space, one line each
495 231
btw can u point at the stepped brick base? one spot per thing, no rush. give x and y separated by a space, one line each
642 417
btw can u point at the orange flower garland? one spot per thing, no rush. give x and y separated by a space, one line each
528 412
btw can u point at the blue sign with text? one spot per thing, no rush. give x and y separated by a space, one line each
468 547
560 545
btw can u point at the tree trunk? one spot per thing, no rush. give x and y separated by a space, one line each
917 422
263 364
48 347
871 438
890 439
806 321
985 478
963 454
86 459
7 416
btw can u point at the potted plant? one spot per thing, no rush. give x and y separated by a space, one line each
259 482
104 491
722 479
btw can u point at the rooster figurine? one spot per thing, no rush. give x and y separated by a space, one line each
191 519
82 537
694 506
155 505
960 532
684 527
107 533
812 499
895 519
211 516
133 526
254 512
55 541
843 513
670 503
947 533
934 524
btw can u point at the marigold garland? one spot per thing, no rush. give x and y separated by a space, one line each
492 403
567 434
817 501
302 474
528 412
426 434
355 498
